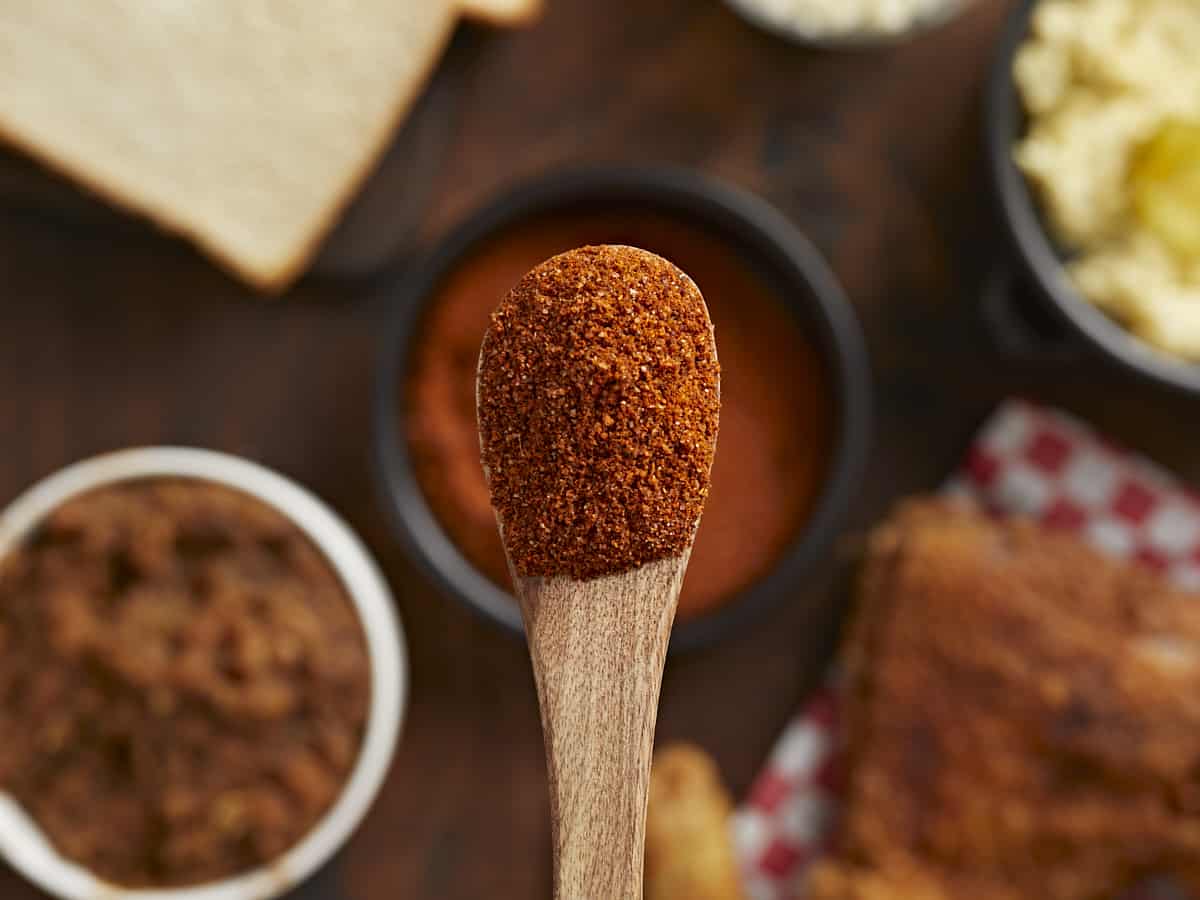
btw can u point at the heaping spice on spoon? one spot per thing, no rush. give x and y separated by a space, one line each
598 396
598 400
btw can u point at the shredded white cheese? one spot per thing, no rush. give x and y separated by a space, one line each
848 17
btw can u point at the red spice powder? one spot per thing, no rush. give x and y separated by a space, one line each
776 416
599 392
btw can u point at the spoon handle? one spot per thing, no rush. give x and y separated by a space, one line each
598 649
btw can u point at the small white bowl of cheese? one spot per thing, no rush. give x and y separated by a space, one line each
847 23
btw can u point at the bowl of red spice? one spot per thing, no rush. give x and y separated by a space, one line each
202 680
795 385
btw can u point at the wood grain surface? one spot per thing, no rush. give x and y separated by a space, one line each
598 649
111 337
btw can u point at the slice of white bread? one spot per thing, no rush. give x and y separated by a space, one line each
502 12
244 124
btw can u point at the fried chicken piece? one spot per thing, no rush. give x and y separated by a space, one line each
1023 718
689 851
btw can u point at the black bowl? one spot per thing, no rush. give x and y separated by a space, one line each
1041 260
767 239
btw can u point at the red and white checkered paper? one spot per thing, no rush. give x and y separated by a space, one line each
1029 460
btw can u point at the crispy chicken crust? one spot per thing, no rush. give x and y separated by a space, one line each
1023 718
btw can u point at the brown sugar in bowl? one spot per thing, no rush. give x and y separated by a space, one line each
795 395
154 540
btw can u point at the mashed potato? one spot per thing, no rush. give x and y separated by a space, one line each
1100 78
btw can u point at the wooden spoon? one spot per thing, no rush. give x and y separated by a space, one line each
598 649
598 646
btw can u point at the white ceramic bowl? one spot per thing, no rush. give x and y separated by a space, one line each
846 40
24 846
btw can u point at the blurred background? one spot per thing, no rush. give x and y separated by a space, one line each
115 333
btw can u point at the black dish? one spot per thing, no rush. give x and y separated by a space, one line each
1040 261
766 238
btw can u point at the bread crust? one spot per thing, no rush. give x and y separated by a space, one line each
270 276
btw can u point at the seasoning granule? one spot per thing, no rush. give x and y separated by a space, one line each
599 393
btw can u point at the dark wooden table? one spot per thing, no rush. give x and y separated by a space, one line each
116 337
